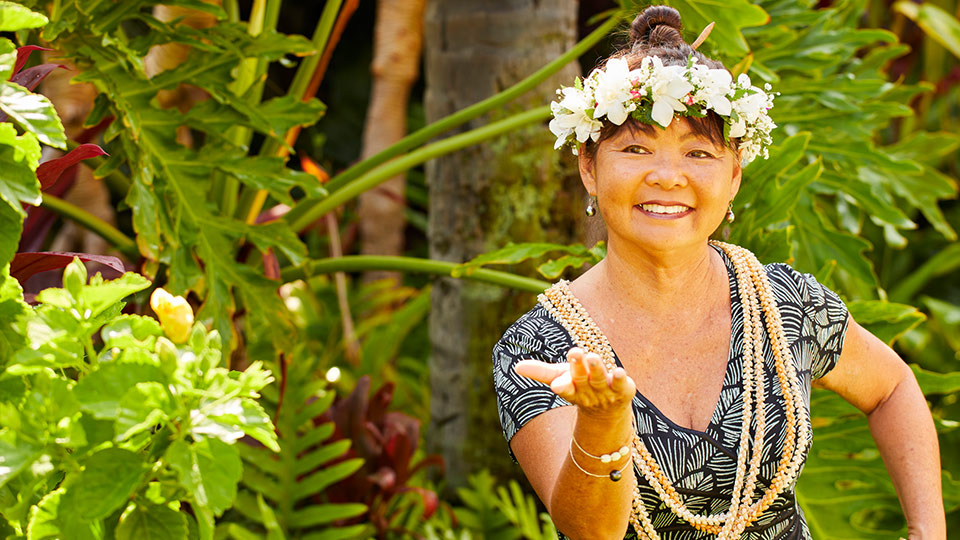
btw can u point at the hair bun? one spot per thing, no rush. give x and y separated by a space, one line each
657 26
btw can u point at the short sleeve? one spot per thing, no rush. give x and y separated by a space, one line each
825 320
535 336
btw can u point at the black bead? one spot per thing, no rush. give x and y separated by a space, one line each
615 476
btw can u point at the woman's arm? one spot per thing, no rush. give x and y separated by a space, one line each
581 506
873 378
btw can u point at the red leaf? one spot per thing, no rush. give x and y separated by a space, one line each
27 264
23 54
31 77
49 171
271 267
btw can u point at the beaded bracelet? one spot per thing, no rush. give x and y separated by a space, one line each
614 475
605 458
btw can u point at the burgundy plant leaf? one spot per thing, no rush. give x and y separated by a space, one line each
23 54
49 171
272 214
27 264
30 78
385 477
271 267
429 498
380 402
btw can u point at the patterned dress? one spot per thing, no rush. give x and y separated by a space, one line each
700 464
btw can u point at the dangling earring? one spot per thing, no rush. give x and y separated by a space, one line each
591 209
730 214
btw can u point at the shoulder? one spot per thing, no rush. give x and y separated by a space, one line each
791 285
536 335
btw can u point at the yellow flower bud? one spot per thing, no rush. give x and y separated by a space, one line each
175 314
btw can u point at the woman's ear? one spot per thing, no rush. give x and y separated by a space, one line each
587 166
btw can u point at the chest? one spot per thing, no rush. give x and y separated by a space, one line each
678 364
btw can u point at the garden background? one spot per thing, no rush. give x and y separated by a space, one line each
356 199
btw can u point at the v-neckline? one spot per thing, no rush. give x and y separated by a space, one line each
729 375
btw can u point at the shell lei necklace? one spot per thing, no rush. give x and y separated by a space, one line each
757 296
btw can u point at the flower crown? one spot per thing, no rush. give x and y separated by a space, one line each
654 92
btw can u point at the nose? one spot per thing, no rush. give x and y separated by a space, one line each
666 173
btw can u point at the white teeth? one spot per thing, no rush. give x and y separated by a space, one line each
658 209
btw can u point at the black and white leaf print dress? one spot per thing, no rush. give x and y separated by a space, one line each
700 464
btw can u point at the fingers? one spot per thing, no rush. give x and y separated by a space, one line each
540 371
597 372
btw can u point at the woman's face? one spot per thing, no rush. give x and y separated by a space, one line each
662 191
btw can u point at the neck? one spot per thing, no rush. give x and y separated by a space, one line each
659 281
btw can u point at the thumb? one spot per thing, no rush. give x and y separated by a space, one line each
540 371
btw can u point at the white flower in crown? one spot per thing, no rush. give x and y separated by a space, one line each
612 92
570 117
657 92
668 85
714 85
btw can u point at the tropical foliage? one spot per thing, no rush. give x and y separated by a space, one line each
149 433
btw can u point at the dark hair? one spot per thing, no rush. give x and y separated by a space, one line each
657 31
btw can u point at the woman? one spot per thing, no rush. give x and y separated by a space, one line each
656 358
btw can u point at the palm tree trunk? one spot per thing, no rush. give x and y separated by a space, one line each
398 39
516 188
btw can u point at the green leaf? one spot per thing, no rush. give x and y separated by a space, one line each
142 407
15 17
514 253
269 520
15 454
12 307
819 244
33 113
932 382
98 298
269 173
940 25
209 470
47 522
106 483
8 58
152 522
886 320
319 480
102 391
312 516
244 414
778 199
129 331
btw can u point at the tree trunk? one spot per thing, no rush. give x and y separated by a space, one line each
515 188
398 38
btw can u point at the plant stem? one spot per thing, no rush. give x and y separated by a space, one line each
358 263
233 10
225 186
108 232
464 115
252 201
310 212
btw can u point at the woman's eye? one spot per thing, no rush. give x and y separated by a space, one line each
701 153
636 149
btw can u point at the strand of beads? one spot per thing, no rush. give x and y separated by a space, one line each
788 376
756 296
726 524
566 308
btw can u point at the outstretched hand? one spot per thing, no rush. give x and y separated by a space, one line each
583 381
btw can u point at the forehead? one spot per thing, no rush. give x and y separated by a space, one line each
680 130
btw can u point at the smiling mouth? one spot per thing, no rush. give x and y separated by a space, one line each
668 211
